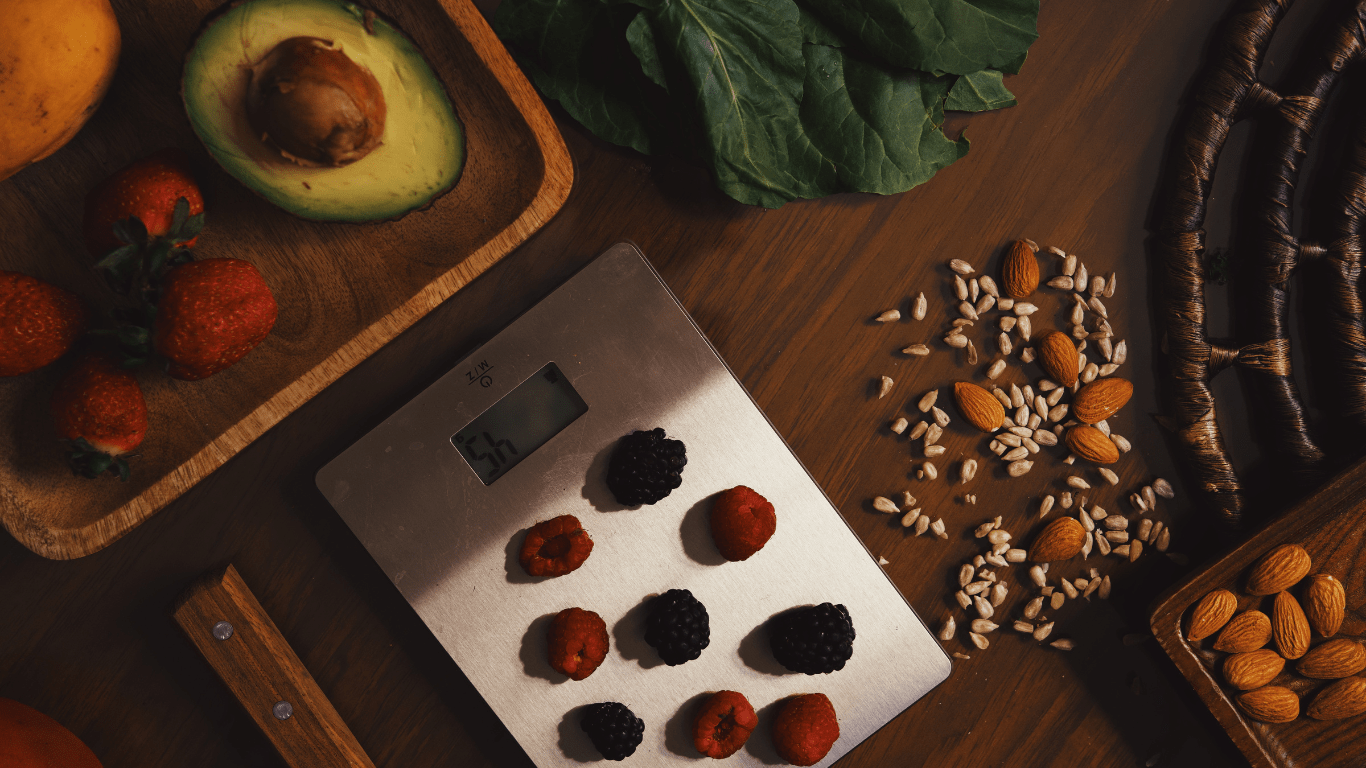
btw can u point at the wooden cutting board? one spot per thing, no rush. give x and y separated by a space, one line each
344 289
1331 525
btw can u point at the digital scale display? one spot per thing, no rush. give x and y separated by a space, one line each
515 426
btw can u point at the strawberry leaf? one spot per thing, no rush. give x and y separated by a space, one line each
179 215
156 257
117 258
131 231
85 461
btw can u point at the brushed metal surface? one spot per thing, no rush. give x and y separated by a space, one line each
450 543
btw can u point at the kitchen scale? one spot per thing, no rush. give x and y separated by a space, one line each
443 492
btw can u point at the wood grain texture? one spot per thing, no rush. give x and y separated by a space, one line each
344 290
256 663
787 297
1329 526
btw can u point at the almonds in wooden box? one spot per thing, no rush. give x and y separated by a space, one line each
1020 271
1100 399
1278 570
1091 444
1289 627
1325 604
1245 632
1212 612
1334 659
1271 704
1059 358
1345 698
979 406
1253 669
1061 539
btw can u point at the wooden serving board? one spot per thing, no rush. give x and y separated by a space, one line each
344 290
1331 525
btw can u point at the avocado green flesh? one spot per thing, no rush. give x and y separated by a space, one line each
423 146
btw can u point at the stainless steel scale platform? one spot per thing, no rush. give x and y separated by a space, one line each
521 431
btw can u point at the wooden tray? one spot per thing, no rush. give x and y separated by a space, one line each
344 290
1331 525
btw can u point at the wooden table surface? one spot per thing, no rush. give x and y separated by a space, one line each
787 297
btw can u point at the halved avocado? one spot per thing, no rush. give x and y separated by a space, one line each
419 155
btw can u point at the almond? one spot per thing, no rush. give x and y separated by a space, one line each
1099 400
1289 627
1345 698
1325 604
1061 539
1020 271
1247 631
1091 444
1212 612
1278 570
1059 358
1333 659
1271 704
1253 669
979 406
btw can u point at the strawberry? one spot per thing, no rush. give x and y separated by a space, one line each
210 315
146 190
99 407
742 522
38 323
724 724
805 729
555 547
577 642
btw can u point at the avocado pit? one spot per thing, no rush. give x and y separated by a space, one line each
308 100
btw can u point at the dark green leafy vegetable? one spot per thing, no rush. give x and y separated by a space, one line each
775 99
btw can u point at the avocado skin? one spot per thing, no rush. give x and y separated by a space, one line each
228 147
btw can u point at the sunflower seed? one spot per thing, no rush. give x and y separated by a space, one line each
1081 277
940 418
937 527
1041 405
1085 519
1118 537
1069 265
1164 489
1086 544
1056 600
972 353
1098 307
1110 285
989 285
1058 412
959 323
985 304
996 447
1135 550
1007 324
1065 499
995 559
967 310
1089 373
1102 543
1079 332
899 426
985 528
1103 426
1098 513
1035 422
910 518
995 369
1109 475
1117 522
1073 481
977 587
950 627
968 470
1030 445
961 267
1044 437
1018 468
998 536
1082 360
927 400
1000 395
1164 540
884 387
1121 353
933 433
917 350
964 601
974 290
918 430
1122 551
922 524
965 573
984 608
1120 442
1063 644
1016 397
1138 503
1042 632
1061 282
1149 496
1033 607
1046 505
1024 309
934 451
889 316
1055 250
884 504
1091 587
978 640
907 500
1097 285
983 627
958 655
998 595
1005 303
1077 317
1021 415
1015 454
1024 328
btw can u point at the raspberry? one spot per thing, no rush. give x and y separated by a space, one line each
555 547
805 729
724 724
578 642
677 627
742 522
613 728
645 467
813 640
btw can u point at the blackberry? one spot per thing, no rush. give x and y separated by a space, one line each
677 627
645 467
813 640
614 729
